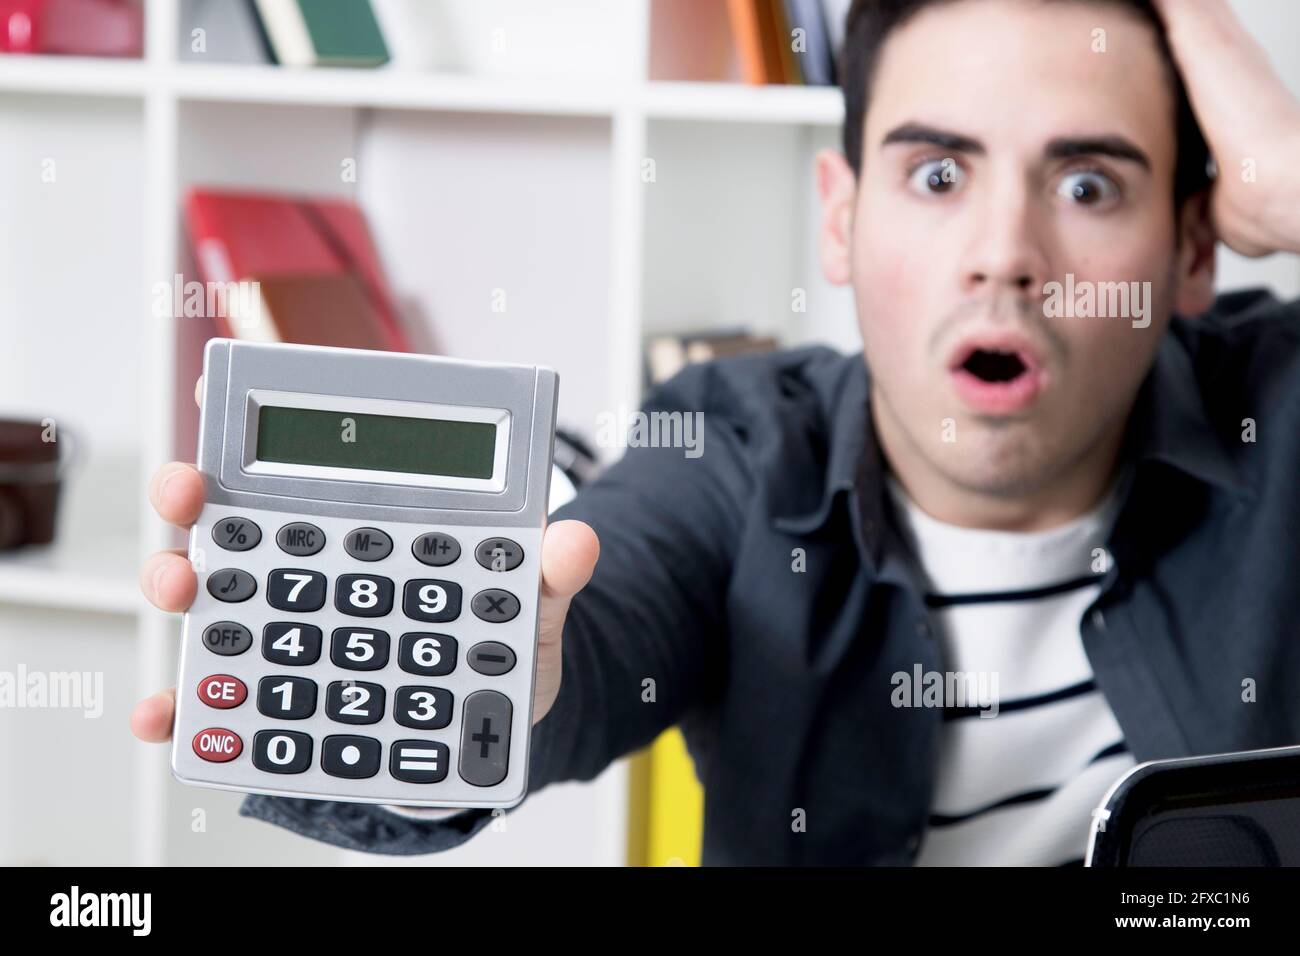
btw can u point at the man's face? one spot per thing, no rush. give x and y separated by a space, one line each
1002 151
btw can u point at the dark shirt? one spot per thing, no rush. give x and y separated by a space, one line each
780 677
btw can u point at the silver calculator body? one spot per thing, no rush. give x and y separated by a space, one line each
368 559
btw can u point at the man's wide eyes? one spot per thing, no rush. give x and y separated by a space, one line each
1087 187
936 176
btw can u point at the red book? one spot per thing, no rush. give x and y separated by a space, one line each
243 235
78 27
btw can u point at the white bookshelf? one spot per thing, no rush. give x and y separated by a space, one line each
516 168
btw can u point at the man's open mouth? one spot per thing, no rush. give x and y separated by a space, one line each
997 375
989 365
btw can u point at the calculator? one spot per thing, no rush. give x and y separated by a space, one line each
369 568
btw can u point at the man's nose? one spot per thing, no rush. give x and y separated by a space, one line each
1005 252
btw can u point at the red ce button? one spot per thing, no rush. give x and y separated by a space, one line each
217 745
223 691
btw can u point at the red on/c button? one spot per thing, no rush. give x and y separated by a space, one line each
217 744
223 691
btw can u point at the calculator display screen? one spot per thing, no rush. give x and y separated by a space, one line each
393 443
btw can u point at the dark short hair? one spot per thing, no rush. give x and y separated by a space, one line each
870 22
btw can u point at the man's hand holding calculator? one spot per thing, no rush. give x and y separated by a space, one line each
307 748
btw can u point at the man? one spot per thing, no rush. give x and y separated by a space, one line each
1081 518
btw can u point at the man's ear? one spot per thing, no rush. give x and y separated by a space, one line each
1194 267
837 188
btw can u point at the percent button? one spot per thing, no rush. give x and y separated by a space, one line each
236 534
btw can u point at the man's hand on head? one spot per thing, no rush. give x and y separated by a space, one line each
1250 120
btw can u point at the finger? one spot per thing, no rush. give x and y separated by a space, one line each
176 492
168 581
152 718
198 391
570 550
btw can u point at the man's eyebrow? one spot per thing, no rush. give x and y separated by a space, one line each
1116 147
920 133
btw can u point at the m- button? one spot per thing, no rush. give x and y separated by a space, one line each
368 544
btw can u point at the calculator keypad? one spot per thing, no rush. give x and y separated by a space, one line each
286 698
351 691
355 702
291 643
359 648
295 589
282 751
432 600
363 595
432 655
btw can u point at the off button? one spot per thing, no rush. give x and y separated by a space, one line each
218 745
227 638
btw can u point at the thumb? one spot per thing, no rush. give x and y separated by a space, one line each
570 550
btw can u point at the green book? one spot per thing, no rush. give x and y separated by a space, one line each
323 32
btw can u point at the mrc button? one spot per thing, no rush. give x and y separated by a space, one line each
300 539
218 745
222 691
368 544
227 638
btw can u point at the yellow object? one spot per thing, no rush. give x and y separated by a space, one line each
666 816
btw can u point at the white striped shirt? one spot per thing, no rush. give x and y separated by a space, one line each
1017 788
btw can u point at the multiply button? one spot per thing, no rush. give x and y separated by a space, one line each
236 534
419 761
300 539
435 549
499 554
231 585
222 691
217 745
495 606
485 738
368 544
227 638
